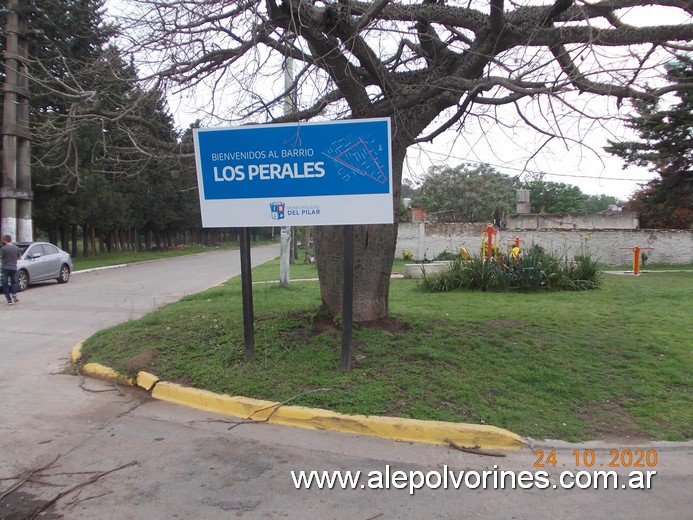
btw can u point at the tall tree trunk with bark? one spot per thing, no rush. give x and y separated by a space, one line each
374 246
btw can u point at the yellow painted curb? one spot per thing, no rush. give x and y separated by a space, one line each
146 380
102 372
76 352
431 432
208 401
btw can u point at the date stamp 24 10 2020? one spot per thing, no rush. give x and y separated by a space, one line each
616 458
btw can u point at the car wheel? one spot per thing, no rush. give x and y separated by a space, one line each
22 280
64 274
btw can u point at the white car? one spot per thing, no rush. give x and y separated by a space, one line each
41 261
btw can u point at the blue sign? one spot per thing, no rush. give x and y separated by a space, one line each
345 158
288 167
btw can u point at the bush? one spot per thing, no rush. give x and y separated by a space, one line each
447 280
446 255
534 270
584 273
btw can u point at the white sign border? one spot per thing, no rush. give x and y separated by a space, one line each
319 210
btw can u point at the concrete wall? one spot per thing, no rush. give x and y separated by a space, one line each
670 246
611 220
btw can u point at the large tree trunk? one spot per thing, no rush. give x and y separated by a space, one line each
374 248
374 252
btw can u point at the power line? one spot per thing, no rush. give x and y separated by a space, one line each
593 177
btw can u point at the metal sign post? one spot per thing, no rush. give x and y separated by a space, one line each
247 295
347 296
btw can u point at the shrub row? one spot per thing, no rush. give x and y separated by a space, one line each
534 270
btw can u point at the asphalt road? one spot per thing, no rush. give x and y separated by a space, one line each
80 448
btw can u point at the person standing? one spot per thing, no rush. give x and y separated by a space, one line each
10 253
497 218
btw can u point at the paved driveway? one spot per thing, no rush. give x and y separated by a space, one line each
97 451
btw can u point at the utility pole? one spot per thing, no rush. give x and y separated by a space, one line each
15 193
285 252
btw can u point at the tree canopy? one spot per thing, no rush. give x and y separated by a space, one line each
466 193
666 147
428 65
97 134
555 197
472 192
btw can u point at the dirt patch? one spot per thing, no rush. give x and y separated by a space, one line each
184 381
611 421
322 324
503 324
142 361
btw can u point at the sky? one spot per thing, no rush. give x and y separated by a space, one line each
586 166
512 149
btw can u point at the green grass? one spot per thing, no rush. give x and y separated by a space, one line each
562 365
297 271
129 257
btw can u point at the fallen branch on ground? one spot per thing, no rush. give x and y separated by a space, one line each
24 477
474 449
91 480
114 389
277 406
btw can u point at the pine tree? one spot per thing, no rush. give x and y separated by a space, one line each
95 129
666 147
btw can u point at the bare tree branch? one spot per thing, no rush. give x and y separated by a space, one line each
419 63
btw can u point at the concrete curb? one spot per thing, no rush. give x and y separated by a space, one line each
646 271
255 410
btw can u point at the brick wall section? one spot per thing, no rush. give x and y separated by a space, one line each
670 246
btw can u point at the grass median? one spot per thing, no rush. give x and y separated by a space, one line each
613 363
